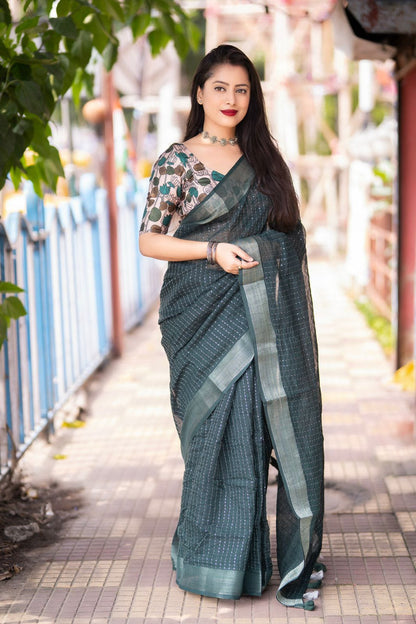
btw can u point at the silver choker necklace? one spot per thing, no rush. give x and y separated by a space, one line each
214 139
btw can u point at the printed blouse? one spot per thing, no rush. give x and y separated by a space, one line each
179 181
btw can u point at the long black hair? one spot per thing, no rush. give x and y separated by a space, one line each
254 138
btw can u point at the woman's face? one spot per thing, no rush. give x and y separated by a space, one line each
225 98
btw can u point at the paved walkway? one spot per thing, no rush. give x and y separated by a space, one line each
111 564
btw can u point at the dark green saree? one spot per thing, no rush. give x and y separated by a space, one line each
244 380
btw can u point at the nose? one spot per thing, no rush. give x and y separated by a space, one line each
230 97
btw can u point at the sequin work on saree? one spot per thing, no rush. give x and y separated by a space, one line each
244 378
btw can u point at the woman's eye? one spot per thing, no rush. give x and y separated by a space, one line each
243 91
219 88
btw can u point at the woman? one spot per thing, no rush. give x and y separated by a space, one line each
237 326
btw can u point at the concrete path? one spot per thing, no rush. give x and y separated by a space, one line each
111 564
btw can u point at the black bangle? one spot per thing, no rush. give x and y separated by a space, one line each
213 253
211 248
209 252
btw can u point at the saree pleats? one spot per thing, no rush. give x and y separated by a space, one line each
244 378
221 547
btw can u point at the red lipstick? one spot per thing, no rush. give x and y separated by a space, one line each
230 112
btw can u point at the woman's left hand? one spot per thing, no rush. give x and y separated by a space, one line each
232 258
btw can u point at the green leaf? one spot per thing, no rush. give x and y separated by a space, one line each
112 8
40 143
48 7
7 157
9 112
139 24
176 8
64 26
57 76
181 44
9 287
4 126
13 307
4 51
54 162
49 174
194 34
21 71
48 166
110 55
5 15
29 47
96 28
168 25
162 5
77 85
27 24
21 142
81 50
45 103
70 69
51 41
3 330
30 97
82 12
15 176
24 127
133 7
34 175
5 30
64 7
158 40
88 82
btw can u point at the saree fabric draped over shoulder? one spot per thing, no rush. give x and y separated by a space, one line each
244 380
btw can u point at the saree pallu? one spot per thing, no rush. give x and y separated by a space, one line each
244 379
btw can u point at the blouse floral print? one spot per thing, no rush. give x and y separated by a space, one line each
179 181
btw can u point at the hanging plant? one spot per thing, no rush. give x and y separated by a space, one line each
48 47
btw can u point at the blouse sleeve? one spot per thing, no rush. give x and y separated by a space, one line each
165 193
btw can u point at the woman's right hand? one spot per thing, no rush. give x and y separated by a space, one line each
232 258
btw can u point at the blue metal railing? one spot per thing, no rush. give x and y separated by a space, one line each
60 255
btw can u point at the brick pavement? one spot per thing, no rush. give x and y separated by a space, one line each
111 564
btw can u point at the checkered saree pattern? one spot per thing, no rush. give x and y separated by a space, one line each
244 379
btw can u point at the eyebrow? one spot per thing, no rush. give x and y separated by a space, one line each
243 84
